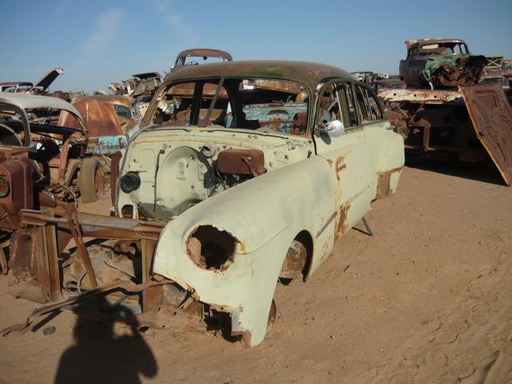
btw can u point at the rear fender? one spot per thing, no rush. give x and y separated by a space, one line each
390 167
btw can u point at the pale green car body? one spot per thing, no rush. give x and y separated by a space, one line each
229 234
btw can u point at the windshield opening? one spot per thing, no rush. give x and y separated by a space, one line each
278 106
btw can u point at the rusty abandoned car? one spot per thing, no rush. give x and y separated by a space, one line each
108 119
40 88
467 121
42 162
440 64
141 87
243 174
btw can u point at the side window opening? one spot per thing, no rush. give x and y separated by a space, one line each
337 109
348 106
329 107
368 107
351 118
279 106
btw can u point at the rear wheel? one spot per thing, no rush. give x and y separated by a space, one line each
91 179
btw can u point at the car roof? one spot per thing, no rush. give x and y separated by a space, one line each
147 75
27 101
307 73
205 52
410 43
16 83
110 99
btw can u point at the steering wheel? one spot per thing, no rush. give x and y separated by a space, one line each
13 134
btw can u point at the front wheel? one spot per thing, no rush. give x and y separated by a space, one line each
91 179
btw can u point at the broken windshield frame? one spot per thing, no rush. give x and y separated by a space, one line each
278 106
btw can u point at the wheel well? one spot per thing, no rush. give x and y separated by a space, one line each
298 258
305 238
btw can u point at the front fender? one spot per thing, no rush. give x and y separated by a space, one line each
262 216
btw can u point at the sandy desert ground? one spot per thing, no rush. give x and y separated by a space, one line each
427 299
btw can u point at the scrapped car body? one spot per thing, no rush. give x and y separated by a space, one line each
470 125
141 87
108 120
439 63
40 88
16 86
252 200
39 157
243 174
452 106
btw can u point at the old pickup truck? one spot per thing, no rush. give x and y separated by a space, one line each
440 64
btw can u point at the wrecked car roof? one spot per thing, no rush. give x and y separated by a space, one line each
27 101
41 86
205 52
410 43
16 85
307 73
147 75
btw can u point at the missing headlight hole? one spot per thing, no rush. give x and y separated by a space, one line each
211 248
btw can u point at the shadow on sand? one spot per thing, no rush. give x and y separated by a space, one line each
104 353
487 173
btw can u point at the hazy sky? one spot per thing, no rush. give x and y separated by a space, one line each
98 42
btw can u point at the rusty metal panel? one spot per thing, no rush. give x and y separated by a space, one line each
242 162
420 96
491 115
17 174
34 259
100 117
99 114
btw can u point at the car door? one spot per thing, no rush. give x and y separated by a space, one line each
346 135
411 68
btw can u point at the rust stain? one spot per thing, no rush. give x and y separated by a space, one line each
384 184
342 226
340 166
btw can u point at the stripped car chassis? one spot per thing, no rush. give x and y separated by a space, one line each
39 258
470 125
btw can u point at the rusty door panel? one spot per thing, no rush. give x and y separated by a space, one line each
491 115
